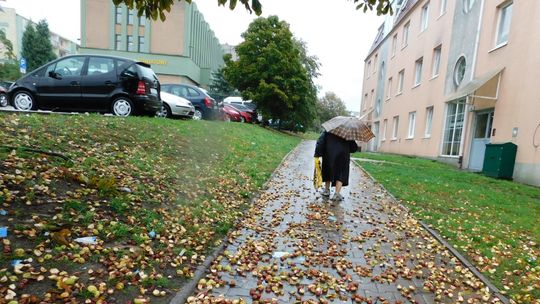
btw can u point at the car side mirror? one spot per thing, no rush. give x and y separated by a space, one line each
54 75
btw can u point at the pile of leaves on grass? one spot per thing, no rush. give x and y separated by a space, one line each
123 210
494 223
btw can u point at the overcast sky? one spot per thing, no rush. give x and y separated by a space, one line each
336 33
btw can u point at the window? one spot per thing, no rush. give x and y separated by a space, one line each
401 77
142 20
394 45
364 104
429 121
378 108
130 17
385 126
130 47
436 64
192 93
389 88
412 123
406 28
372 98
505 18
395 127
70 66
443 7
368 68
468 5
179 91
117 42
453 129
118 15
375 63
425 17
100 65
459 70
141 44
418 71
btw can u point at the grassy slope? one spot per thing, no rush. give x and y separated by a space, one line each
187 181
495 223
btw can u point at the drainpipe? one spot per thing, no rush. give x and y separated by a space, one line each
473 72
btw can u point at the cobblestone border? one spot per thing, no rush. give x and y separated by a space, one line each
189 288
496 292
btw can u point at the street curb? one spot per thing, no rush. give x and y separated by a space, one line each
494 290
190 287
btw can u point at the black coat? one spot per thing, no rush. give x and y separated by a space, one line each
335 152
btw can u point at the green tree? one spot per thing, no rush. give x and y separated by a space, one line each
157 8
270 71
330 106
36 45
9 69
221 88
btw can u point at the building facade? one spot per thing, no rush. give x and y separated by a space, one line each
182 49
14 26
444 78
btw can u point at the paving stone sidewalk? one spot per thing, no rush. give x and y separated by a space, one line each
295 247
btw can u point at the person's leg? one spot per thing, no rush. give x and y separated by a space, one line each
326 191
337 195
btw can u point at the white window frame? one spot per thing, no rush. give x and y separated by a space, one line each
130 17
118 42
130 45
442 9
418 66
459 105
395 127
389 89
401 80
429 122
385 126
424 19
118 15
412 125
501 9
406 32
436 61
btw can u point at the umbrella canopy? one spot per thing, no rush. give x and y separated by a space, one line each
349 128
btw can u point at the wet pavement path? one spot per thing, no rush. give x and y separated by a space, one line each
294 246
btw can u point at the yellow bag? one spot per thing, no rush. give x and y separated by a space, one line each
317 174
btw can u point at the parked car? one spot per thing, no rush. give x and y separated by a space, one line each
93 83
229 113
235 100
3 97
248 115
205 106
175 106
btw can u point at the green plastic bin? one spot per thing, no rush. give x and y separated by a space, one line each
499 160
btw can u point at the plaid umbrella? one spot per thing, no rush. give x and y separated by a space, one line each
349 128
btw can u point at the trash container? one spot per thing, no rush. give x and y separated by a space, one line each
499 160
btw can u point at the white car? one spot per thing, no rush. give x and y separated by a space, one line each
175 106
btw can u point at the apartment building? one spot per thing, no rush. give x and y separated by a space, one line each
182 49
444 78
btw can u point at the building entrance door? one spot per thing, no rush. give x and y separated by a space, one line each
375 140
482 135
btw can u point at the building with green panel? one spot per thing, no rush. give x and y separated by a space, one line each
181 49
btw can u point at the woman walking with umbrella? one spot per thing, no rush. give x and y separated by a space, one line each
335 146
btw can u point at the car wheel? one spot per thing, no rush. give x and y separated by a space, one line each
3 100
242 119
165 111
198 114
122 107
24 101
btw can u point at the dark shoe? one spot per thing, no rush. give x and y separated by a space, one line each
326 193
337 197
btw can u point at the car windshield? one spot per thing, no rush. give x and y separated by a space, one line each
240 107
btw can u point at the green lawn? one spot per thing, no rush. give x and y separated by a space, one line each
494 223
156 193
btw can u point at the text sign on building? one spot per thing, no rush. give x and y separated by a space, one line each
22 65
